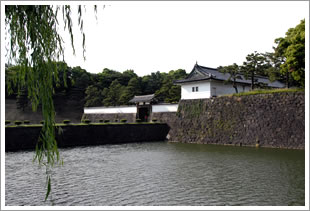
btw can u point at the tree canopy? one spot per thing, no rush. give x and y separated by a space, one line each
291 52
113 89
127 84
286 63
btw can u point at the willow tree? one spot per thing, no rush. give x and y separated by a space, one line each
33 43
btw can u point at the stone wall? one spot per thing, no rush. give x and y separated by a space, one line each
26 137
270 120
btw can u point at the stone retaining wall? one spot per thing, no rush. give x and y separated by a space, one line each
270 120
22 137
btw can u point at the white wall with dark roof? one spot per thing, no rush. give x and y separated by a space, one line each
207 89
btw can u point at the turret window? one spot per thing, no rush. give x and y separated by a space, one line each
195 89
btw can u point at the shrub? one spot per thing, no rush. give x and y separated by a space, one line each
42 122
115 120
123 120
106 120
87 121
138 120
7 122
101 120
154 120
26 122
66 121
17 122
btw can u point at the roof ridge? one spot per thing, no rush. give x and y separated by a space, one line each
142 98
207 67
207 73
259 76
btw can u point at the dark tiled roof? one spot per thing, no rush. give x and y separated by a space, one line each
142 98
200 73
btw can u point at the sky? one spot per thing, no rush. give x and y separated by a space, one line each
162 36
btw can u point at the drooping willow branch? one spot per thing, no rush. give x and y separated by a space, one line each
34 43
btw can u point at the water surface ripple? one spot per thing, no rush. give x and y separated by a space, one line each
165 174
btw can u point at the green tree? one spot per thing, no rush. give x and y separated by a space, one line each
112 97
127 75
254 65
234 71
174 94
133 88
169 92
80 80
104 94
34 43
177 74
107 76
93 96
290 50
80 77
152 83
273 71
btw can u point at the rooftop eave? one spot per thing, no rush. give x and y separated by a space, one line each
143 98
184 81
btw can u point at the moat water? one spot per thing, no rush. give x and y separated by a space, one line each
160 174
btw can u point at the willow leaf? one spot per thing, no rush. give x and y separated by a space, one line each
48 188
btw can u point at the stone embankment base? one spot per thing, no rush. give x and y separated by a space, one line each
268 120
26 137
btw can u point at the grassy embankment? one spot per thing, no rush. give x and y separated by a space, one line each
265 91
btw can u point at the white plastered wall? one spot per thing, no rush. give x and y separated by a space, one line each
203 90
165 108
219 88
110 110
129 109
